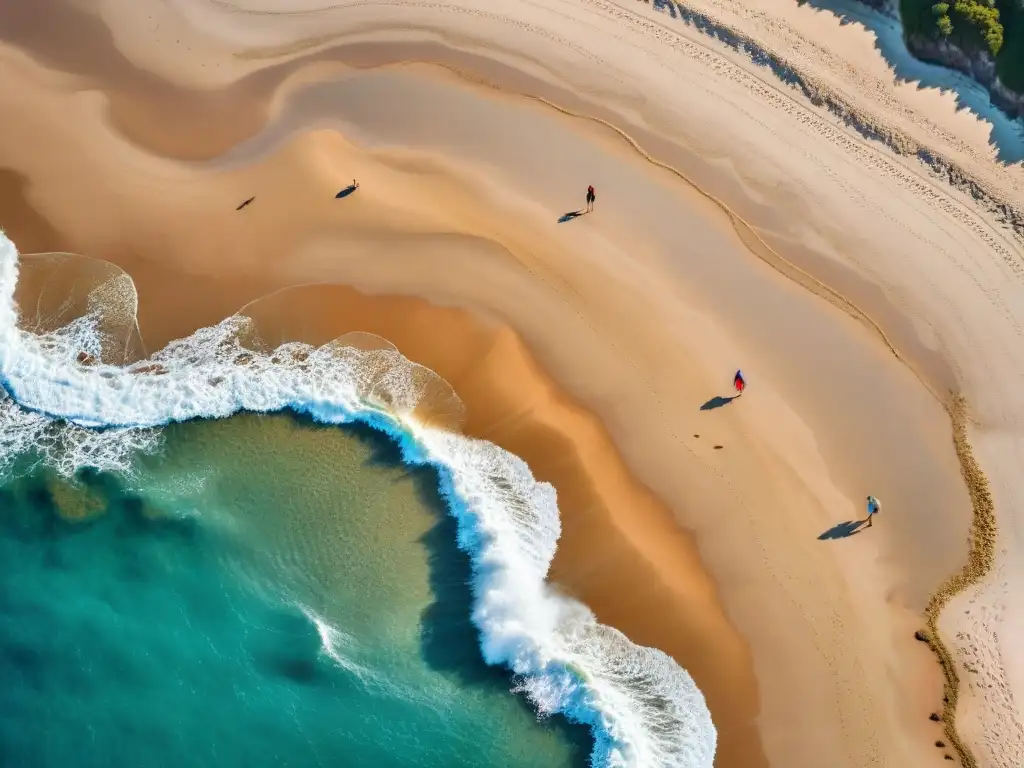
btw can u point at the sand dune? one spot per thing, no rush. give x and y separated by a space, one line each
736 225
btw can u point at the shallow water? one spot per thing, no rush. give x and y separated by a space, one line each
261 591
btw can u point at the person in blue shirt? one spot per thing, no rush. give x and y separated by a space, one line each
874 507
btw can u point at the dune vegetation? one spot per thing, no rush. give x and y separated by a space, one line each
989 27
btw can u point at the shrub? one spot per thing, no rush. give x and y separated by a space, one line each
978 23
994 27
942 21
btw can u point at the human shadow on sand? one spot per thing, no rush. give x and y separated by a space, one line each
449 642
571 215
717 402
347 191
842 530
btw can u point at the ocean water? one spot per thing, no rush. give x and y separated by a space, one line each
201 563
261 591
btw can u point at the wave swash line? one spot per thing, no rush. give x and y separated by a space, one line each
642 708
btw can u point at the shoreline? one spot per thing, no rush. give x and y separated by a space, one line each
974 570
211 286
792 441
488 357
512 402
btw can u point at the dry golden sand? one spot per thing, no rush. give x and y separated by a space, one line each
588 347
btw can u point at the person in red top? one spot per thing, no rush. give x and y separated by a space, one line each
739 382
590 198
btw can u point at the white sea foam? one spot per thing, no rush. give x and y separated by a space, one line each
643 709
333 644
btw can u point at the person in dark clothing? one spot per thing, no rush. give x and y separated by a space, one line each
590 198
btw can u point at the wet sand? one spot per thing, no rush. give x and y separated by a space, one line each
588 347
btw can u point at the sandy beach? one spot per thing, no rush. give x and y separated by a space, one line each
854 243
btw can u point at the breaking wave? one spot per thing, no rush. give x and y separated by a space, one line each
77 392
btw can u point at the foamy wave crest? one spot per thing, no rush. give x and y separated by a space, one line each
332 645
643 709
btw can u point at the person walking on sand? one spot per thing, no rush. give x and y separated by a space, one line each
739 383
591 197
874 507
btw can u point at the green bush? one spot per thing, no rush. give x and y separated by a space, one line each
942 21
974 25
978 25
995 27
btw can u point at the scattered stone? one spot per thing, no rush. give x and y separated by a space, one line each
920 635
696 435
948 757
940 744
934 717
718 447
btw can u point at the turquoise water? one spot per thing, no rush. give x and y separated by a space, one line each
262 591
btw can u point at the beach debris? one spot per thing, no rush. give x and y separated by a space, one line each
934 717
696 435
718 447
245 203
940 743
947 757
921 635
